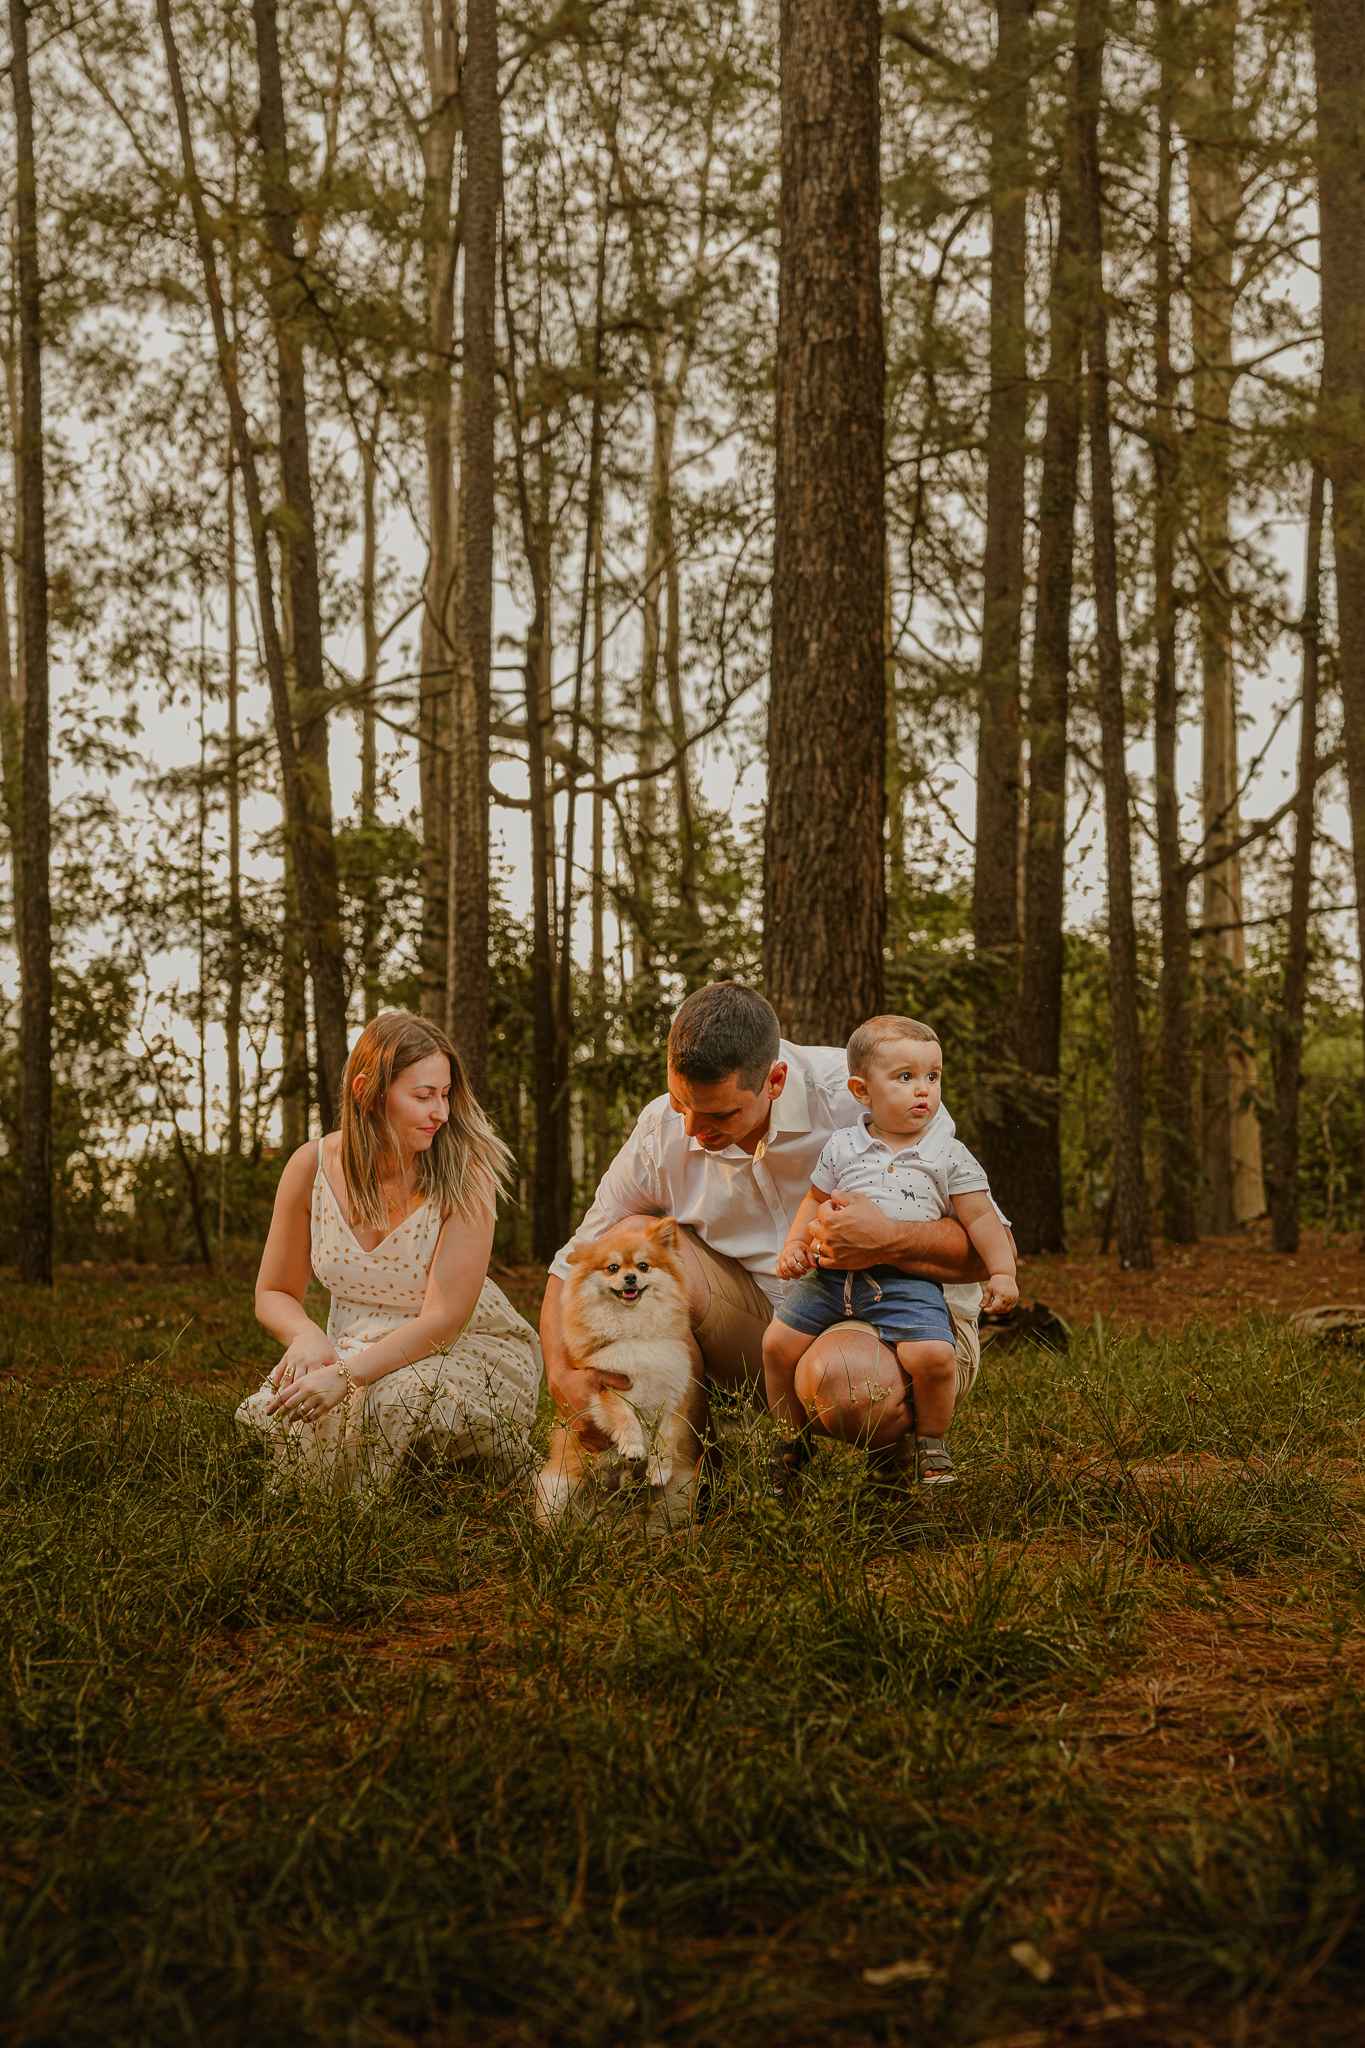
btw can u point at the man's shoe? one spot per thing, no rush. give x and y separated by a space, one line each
787 1469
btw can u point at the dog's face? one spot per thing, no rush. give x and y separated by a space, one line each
634 1263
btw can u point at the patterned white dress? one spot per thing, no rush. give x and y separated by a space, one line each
476 1399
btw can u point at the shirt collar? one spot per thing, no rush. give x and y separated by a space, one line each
932 1142
791 1111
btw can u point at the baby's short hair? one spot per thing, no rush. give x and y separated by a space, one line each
868 1039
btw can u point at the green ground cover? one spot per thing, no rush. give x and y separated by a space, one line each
1073 1751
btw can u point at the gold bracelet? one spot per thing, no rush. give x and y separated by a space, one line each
353 1387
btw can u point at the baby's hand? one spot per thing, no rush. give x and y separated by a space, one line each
793 1260
999 1294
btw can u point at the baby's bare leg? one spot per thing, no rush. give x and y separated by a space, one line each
783 1349
932 1371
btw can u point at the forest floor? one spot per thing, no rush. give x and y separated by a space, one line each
1072 1753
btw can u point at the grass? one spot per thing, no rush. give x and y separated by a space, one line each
1073 1743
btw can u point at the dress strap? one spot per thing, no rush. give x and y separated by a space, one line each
320 1170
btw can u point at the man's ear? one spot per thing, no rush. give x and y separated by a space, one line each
665 1232
777 1079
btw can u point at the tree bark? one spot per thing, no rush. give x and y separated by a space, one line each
35 916
995 884
1287 1041
1030 1178
597 971
1339 62
824 866
287 300
1134 1243
235 965
1175 1088
440 630
548 1207
369 750
1230 1130
469 898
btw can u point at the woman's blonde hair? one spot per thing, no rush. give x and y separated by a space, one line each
467 1165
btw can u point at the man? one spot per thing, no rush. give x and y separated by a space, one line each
729 1151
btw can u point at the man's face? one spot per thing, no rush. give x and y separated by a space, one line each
721 1113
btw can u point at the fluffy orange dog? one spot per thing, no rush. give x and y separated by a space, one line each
626 1323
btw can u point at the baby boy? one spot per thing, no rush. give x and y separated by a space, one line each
903 1154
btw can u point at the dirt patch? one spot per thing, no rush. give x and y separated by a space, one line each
1219 1281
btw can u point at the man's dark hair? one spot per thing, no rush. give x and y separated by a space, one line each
724 1029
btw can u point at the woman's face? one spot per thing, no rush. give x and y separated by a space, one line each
418 1102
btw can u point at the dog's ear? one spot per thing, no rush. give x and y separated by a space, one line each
665 1232
579 1251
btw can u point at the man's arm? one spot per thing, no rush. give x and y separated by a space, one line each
853 1233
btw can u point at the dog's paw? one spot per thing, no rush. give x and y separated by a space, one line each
659 1471
549 1497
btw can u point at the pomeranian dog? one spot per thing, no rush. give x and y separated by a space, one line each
626 1324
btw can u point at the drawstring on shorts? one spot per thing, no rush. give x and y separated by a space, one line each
849 1278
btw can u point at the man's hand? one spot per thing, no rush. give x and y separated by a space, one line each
851 1233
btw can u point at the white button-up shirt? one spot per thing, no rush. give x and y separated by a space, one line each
739 1203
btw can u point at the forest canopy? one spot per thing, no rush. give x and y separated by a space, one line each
515 511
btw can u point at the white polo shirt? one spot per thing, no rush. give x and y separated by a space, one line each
740 1204
914 1182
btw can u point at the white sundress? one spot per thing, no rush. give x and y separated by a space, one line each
476 1399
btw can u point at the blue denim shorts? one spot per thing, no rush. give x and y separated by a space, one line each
900 1308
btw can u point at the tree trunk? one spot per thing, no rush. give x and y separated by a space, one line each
1129 1175
469 896
236 969
649 732
308 825
1030 1167
1230 1145
12 742
369 751
34 917
591 581
1287 1042
995 885
824 872
1339 61
1175 1089
546 1218
287 308
597 972
440 628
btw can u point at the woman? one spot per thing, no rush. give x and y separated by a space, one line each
394 1216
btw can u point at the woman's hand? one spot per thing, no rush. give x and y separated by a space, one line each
311 1396
310 1349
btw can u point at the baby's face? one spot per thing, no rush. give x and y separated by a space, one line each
904 1085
